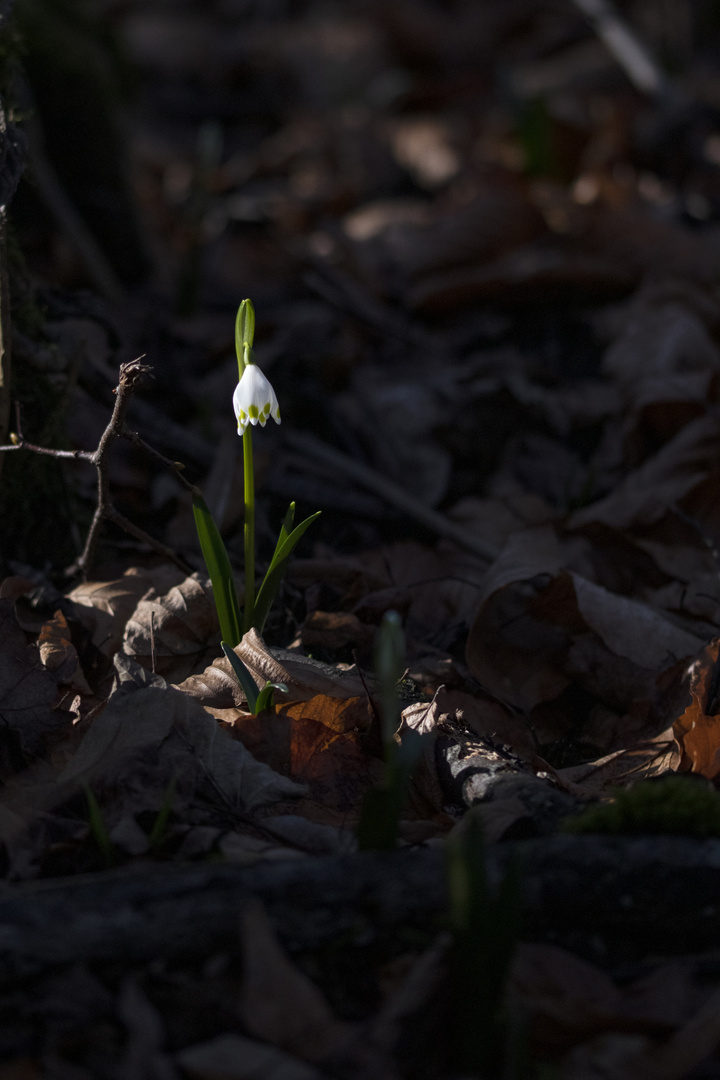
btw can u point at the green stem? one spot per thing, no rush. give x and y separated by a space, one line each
249 532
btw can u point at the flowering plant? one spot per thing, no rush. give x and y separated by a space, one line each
254 401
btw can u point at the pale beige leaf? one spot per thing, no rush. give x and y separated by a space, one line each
218 688
179 629
105 607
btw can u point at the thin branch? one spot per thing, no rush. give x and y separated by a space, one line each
22 444
176 467
130 377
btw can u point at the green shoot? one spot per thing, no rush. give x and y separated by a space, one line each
276 570
160 824
258 700
220 571
485 924
98 827
383 804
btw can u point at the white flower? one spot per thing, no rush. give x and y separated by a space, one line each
254 399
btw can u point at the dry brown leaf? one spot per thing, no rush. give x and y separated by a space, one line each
58 653
698 734
178 629
318 743
217 687
651 758
105 607
647 492
278 1003
539 628
481 715
145 717
570 1001
335 630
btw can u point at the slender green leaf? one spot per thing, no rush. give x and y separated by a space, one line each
273 577
389 664
243 676
265 697
285 528
383 804
220 571
98 827
161 821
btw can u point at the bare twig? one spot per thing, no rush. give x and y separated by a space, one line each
175 467
130 376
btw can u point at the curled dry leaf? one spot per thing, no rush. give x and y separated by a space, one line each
105 607
58 653
178 629
218 689
540 628
697 731
145 720
670 475
480 714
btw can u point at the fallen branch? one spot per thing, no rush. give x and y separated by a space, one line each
611 898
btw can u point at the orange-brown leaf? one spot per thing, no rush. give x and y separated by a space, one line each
696 733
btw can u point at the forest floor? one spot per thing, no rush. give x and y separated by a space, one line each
484 253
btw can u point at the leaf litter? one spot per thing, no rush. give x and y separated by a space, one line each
528 346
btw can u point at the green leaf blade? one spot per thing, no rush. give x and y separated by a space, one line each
243 677
220 571
273 577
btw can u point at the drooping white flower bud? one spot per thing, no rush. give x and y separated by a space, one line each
254 399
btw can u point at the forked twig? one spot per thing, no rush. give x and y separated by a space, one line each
130 376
